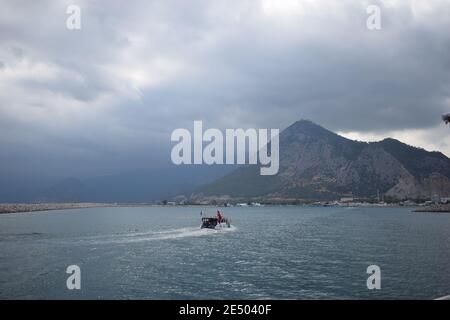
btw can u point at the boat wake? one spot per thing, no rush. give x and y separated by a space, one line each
133 237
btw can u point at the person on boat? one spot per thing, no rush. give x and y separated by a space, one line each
219 216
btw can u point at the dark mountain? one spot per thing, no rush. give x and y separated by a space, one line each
135 186
22 189
419 162
68 190
317 164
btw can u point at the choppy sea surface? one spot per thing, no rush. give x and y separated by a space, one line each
269 253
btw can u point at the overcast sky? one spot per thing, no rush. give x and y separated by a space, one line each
105 98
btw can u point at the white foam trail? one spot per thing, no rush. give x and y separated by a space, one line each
155 235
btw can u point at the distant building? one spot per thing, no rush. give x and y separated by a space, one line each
346 199
445 200
241 205
435 198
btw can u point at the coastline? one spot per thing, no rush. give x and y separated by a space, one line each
435 208
10 208
6 208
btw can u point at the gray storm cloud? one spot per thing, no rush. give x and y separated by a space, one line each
106 98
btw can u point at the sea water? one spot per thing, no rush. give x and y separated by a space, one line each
269 253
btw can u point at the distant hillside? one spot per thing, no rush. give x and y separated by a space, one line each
317 164
135 186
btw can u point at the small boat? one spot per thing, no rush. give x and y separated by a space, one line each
215 223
